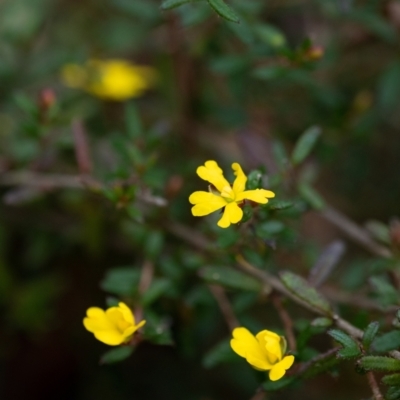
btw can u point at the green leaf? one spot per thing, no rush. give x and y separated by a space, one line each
121 281
157 288
116 355
379 363
301 289
386 342
350 346
369 334
270 35
374 23
26 104
391 380
254 180
305 144
223 10
320 366
230 278
379 231
388 88
170 4
154 244
272 386
393 393
157 329
269 229
132 121
222 352
311 196
321 322
277 205
228 237
387 293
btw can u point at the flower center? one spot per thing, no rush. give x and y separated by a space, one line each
228 194
122 325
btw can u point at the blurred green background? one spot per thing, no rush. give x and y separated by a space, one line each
226 91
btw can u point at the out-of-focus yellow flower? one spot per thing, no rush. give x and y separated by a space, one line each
115 79
227 197
264 352
113 326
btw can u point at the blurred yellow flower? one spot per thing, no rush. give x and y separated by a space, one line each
113 326
263 352
114 79
227 197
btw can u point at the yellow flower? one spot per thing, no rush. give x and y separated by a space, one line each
113 326
263 352
228 197
115 79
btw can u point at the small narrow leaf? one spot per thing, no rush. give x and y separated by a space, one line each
369 334
388 341
391 380
132 121
272 386
311 196
277 205
393 393
326 262
121 281
157 288
301 288
341 337
116 355
321 322
320 366
350 346
379 363
170 4
220 353
305 144
223 10
230 278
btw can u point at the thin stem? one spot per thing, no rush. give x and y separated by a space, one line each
286 320
260 395
320 357
355 232
374 386
82 153
225 306
63 181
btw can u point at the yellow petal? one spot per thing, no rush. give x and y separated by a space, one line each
118 79
240 182
96 320
287 362
132 329
127 313
111 337
277 372
245 345
244 342
258 195
258 363
270 343
116 317
205 203
232 214
279 369
212 173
